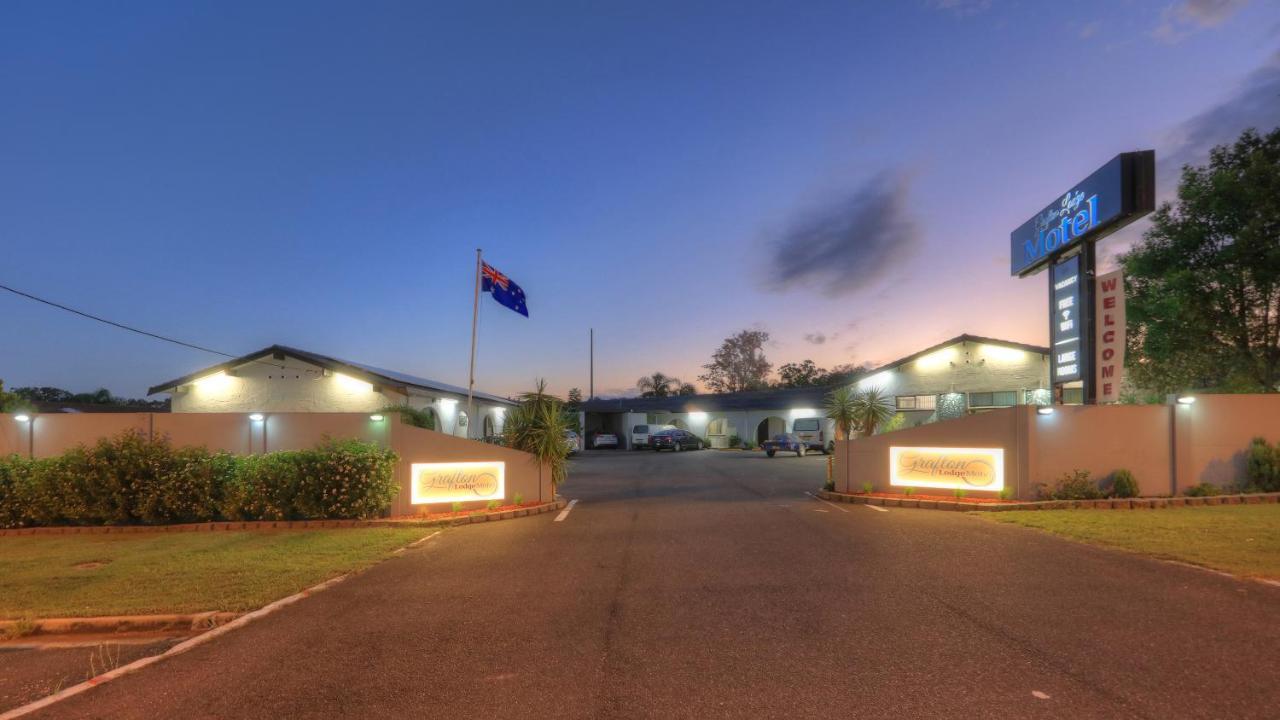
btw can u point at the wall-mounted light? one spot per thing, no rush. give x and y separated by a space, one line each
376 418
22 418
803 412
1186 399
936 360
697 416
879 380
1044 410
256 417
350 384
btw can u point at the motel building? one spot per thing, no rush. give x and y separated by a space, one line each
965 375
281 379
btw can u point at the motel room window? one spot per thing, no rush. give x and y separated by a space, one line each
917 402
999 398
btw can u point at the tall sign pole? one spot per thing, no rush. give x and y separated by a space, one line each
1063 237
591 381
475 316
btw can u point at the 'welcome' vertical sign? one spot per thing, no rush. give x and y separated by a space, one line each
1110 335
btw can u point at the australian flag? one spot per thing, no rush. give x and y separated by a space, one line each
502 289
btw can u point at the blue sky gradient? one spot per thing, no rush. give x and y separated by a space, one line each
319 174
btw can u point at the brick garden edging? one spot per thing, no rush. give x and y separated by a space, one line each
185 622
1109 504
476 516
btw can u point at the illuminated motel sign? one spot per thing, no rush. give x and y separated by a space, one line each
456 482
947 468
1061 237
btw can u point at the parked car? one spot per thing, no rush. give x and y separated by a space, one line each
784 442
640 434
572 441
604 440
811 432
675 439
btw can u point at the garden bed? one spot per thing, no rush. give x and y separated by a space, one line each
946 498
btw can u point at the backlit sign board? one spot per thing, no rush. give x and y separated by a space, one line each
947 468
456 482
1066 320
1115 195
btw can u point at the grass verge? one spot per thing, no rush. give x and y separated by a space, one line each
86 575
1239 539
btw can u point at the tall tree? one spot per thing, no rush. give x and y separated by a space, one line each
1203 284
657 384
575 396
739 364
802 374
844 373
686 389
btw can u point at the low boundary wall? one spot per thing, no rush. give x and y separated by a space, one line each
53 434
1168 448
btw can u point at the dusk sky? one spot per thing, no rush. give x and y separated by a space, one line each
842 175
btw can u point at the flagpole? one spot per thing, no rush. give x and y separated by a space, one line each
475 316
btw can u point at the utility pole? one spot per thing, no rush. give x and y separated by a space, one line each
591 386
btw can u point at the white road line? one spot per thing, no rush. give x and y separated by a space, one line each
1040 695
418 542
565 512
815 497
877 508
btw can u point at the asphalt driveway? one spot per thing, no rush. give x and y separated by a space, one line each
708 584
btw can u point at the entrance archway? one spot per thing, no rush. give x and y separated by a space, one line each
768 427
488 425
680 423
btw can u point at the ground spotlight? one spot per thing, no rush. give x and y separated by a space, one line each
22 418
1186 399
376 418
1044 410
256 417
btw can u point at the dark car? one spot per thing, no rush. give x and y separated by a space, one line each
675 439
786 442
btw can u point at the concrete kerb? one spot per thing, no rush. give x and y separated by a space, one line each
474 516
1105 504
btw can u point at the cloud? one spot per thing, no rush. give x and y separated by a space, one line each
961 7
1255 103
816 338
849 243
1184 18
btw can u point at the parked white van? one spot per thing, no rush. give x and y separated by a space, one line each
640 434
813 432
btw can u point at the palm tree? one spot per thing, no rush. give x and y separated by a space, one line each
537 426
871 408
840 408
658 384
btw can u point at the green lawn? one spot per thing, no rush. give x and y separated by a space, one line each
178 572
1239 539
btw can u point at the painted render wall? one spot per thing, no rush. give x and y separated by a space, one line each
1168 448
303 387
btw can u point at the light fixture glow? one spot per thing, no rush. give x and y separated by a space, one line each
879 380
998 352
1044 410
376 418
22 418
803 412
217 382
937 360
256 417
1186 399
697 416
350 384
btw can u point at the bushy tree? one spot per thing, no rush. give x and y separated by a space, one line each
801 374
739 364
537 426
1203 285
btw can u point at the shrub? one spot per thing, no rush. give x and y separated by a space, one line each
960 492
130 479
1262 466
1074 485
1204 489
829 485
492 505
1006 493
908 491
867 487
735 441
1123 485
456 507
518 499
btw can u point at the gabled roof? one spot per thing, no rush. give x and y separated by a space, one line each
812 397
1037 349
275 354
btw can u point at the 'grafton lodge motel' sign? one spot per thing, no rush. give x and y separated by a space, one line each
1115 195
947 468
456 482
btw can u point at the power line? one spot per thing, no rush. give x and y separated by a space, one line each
131 329
113 323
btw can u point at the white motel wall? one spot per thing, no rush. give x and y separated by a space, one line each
282 380
964 375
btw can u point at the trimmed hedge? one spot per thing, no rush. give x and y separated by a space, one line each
130 479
